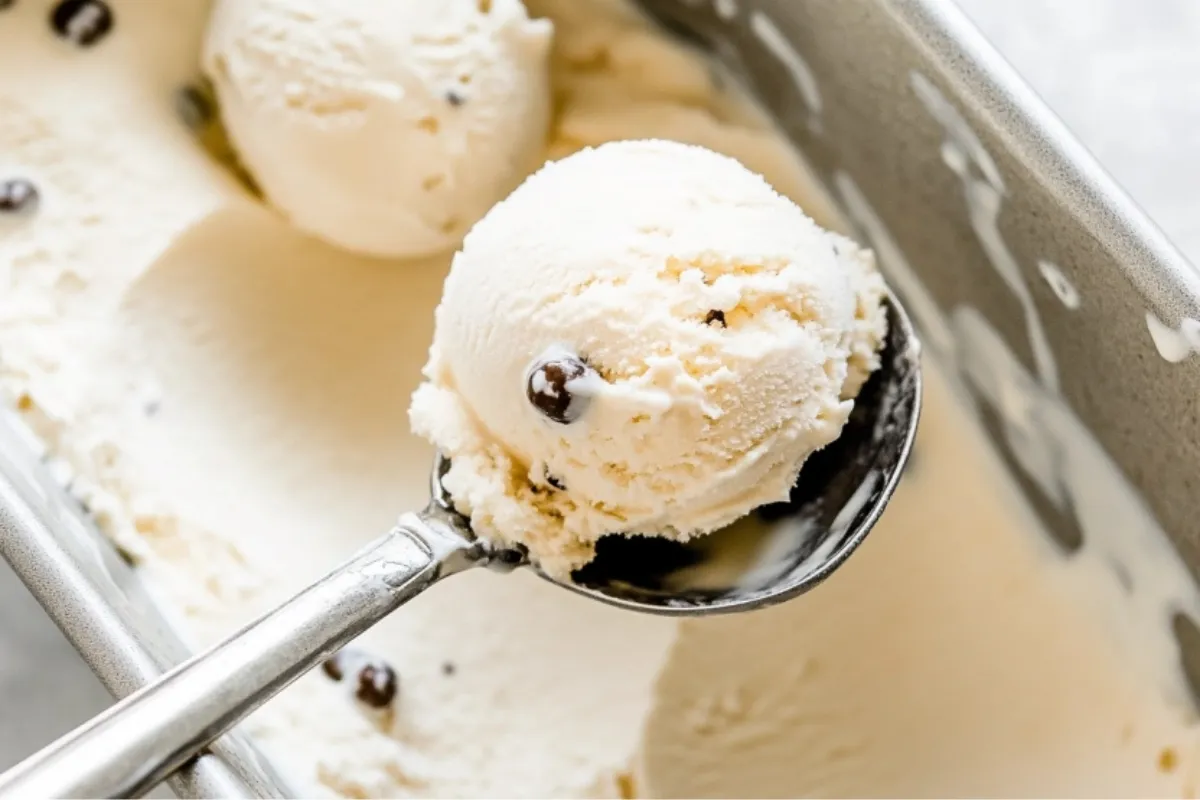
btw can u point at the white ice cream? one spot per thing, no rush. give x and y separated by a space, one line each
386 128
228 397
719 334
954 655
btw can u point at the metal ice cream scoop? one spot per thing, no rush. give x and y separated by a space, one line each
776 553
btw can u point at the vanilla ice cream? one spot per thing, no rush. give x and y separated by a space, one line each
227 397
386 128
645 337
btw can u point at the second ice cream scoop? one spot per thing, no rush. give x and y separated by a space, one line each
386 129
792 547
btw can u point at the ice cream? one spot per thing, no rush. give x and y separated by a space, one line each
228 398
386 128
954 655
645 337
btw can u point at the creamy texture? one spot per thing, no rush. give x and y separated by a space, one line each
386 128
228 398
724 332
952 656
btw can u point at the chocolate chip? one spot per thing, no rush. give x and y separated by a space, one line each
83 22
17 196
547 387
377 684
455 98
448 668
334 666
555 482
194 105
716 316
376 681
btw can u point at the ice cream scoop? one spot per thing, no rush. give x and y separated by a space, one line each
383 128
644 337
780 552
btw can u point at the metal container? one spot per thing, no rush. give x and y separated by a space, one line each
1063 313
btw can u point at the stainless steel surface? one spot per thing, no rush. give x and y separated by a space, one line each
871 127
1026 269
141 740
1120 74
45 688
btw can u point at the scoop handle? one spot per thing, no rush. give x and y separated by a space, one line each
137 743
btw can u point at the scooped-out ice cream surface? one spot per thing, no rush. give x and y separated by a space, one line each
386 128
645 337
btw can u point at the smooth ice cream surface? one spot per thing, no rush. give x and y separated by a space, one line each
644 337
227 398
386 128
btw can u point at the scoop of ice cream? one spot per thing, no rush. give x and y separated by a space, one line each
387 128
644 337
